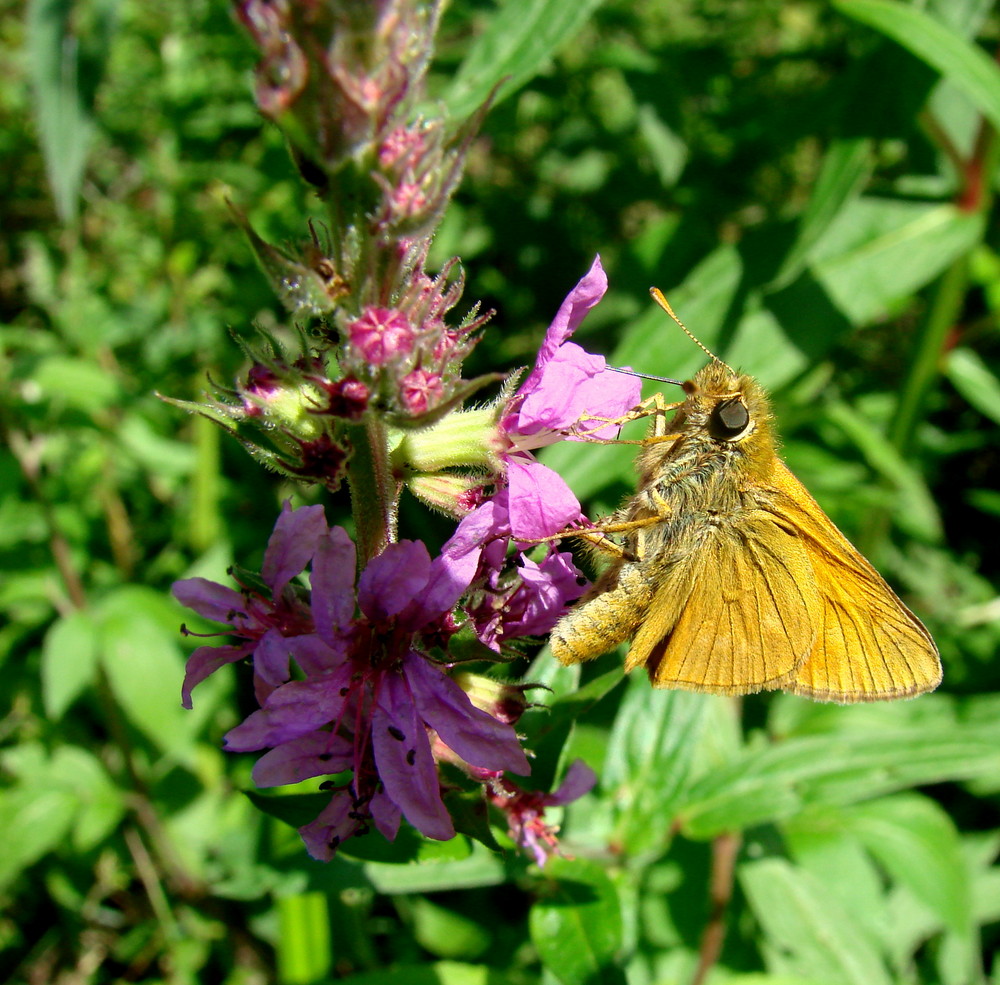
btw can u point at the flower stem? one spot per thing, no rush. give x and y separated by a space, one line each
374 495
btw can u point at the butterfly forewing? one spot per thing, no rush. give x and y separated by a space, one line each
738 615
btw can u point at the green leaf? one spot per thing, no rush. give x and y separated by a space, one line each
780 780
918 845
916 512
962 63
877 252
668 152
36 820
819 845
576 926
447 934
428 874
100 802
303 940
77 384
69 661
522 36
846 168
143 663
652 745
807 931
975 381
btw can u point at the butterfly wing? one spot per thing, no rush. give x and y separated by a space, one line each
869 646
738 613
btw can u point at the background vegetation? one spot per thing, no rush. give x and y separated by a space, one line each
812 185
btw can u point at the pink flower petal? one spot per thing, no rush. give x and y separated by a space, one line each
405 764
474 734
314 656
332 582
315 754
208 599
270 658
573 386
323 836
291 711
393 579
588 291
205 661
541 504
296 534
386 815
579 779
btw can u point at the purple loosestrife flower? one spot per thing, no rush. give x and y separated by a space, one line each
566 386
369 702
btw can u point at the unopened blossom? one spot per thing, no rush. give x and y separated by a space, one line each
420 391
381 335
366 698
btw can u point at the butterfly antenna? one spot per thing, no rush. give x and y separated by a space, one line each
658 297
645 376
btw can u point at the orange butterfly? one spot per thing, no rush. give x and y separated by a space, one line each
732 579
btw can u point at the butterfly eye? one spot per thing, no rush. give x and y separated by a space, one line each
729 420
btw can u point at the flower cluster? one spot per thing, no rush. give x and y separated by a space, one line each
363 697
363 702
351 676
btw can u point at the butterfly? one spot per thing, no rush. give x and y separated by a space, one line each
731 578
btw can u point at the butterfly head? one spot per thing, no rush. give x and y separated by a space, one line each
727 407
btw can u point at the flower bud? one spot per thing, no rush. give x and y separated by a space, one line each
504 701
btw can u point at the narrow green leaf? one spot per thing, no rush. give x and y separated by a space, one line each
917 512
668 152
303 940
918 845
520 38
975 381
962 63
649 757
65 70
577 927
845 170
781 780
807 931
69 661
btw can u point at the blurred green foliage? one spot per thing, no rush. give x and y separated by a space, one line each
812 185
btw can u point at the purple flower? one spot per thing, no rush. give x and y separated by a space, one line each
525 809
369 703
566 386
271 629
